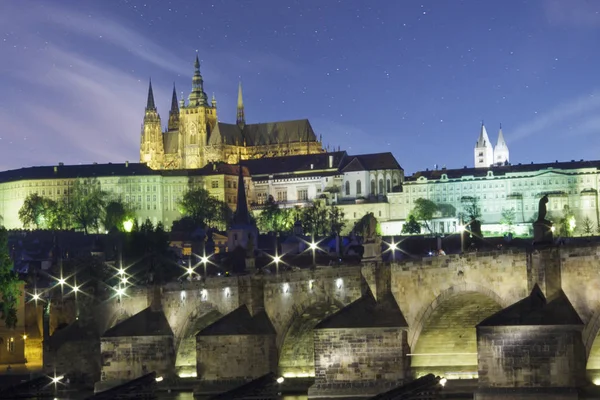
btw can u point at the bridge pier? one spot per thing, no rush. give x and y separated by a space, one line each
531 349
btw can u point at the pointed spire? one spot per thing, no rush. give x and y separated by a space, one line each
240 120
150 106
173 113
174 106
214 101
241 215
501 141
484 139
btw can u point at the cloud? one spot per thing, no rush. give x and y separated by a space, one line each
572 13
570 113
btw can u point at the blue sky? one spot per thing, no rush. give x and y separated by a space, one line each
411 77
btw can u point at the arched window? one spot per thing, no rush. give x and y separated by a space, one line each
347 188
380 186
389 186
358 188
373 187
193 139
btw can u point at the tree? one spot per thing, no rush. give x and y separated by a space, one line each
9 284
472 211
567 223
276 219
446 210
424 210
587 227
116 213
336 219
508 218
315 219
411 226
204 209
87 202
32 211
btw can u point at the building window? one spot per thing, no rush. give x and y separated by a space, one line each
380 186
282 195
347 188
215 184
358 188
303 194
389 186
10 345
374 187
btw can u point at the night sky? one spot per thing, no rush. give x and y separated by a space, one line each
412 77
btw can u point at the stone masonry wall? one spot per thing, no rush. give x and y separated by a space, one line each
530 356
235 357
126 358
366 360
78 359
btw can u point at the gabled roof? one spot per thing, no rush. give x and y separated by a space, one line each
367 312
144 323
371 162
240 322
536 310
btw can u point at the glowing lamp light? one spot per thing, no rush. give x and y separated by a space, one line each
313 246
596 381
203 259
128 225
339 282
159 379
124 280
57 379
461 228
121 271
62 281
35 297
286 287
24 336
227 291
183 295
204 294
280 380
552 229
311 284
190 270
121 291
276 259
75 289
443 381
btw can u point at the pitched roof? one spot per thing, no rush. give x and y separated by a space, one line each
484 139
145 323
536 310
367 312
371 162
503 169
240 322
263 133
295 164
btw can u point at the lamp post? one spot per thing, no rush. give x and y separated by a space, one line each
461 230
313 247
204 260
276 260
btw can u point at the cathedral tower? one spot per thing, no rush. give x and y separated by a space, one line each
151 147
501 150
484 152
173 113
197 120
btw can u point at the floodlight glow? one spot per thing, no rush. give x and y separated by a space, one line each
280 380
204 294
310 284
286 287
62 281
443 381
276 259
121 271
183 295
57 379
553 229
227 291
128 225
159 379
339 283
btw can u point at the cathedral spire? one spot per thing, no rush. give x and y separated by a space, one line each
241 215
150 106
240 119
501 153
197 96
173 113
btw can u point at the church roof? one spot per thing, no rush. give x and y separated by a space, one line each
263 133
500 143
535 309
240 322
484 139
371 162
144 323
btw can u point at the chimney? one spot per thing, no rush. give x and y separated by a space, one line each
331 161
126 164
55 169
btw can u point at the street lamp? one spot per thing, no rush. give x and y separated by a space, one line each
393 248
313 246
461 230
204 260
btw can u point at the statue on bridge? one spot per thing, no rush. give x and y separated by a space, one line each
542 228
369 228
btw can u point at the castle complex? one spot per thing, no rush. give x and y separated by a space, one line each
287 161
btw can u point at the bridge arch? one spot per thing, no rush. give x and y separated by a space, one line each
185 341
443 341
297 350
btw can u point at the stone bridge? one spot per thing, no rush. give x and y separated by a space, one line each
441 299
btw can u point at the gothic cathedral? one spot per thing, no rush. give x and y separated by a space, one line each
194 136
